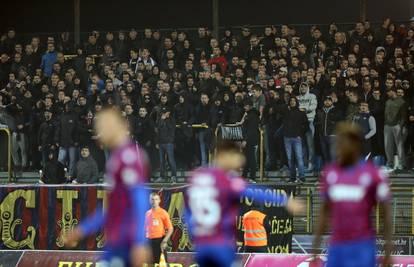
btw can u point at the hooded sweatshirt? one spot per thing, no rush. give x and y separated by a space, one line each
309 103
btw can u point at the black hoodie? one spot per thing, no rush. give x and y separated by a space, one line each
295 122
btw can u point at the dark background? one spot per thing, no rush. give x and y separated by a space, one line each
51 16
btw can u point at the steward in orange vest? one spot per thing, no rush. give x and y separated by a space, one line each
255 236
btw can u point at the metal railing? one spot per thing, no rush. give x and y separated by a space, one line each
402 211
9 152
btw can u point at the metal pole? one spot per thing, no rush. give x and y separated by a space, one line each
216 18
362 10
411 6
308 210
412 212
77 21
261 165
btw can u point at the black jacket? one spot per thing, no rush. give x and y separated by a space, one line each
251 124
326 120
85 131
145 130
66 134
46 133
295 123
166 130
54 172
202 114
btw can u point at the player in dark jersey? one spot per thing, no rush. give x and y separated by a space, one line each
350 189
127 170
214 197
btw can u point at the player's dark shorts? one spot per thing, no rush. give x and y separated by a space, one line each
215 256
359 253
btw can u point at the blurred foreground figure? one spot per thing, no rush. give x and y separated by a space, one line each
350 189
214 197
127 199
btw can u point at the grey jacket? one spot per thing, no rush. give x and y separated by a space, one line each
86 171
309 103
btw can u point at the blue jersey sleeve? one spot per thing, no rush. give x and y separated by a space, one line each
258 193
140 205
94 222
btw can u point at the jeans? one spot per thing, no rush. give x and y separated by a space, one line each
327 143
19 144
310 145
203 140
169 150
294 144
72 152
393 138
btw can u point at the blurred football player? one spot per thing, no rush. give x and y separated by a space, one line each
214 198
127 170
350 189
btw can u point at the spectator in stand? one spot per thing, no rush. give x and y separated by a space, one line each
145 132
86 171
394 121
46 136
308 103
19 137
156 70
274 115
377 107
202 116
184 119
67 137
166 136
295 126
251 137
368 127
48 59
53 172
326 119
219 60
353 107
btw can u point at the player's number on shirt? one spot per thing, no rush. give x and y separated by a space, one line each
204 206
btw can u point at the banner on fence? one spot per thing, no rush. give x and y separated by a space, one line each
37 217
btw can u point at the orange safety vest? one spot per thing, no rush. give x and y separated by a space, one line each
254 231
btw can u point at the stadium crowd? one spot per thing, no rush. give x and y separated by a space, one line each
295 87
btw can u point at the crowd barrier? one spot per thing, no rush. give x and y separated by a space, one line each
38 258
